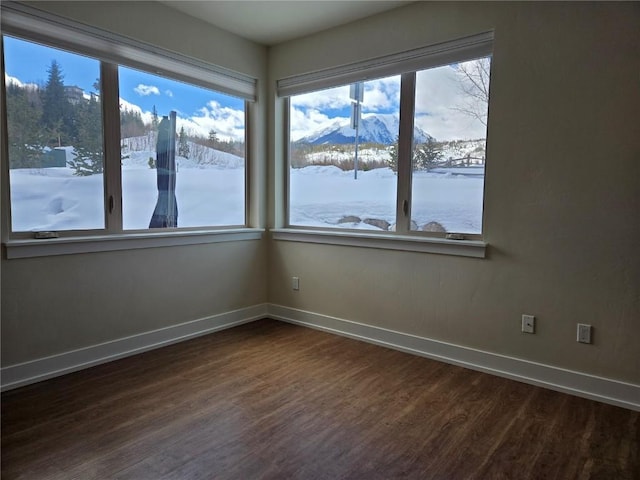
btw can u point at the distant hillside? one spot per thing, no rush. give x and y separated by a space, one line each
136 152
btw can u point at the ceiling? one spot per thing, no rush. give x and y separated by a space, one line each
271 22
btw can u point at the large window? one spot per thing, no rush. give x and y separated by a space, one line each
208 170
101 142
55 141
339 172
403 153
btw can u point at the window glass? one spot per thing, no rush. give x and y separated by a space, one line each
55 139
451 105
183 154
341 156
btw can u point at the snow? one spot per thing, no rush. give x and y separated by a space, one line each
210 191
373 128
322 196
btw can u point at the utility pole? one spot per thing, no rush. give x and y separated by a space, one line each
356 93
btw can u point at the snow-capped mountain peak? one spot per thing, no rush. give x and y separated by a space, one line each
373 128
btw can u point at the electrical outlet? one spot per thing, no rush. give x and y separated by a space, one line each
528 324
295 283
584 333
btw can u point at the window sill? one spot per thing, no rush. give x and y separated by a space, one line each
409 243
107 243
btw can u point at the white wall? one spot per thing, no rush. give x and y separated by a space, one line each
561 196
562 201
53 305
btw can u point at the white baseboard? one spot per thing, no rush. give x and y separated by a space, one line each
605 390
18 375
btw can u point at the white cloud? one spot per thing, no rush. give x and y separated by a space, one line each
309 112
438 100
382 94
305 121
332 98
145 90
146 116
168 93
227 122
438 95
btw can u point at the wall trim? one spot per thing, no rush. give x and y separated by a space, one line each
14 376
584 385
601 389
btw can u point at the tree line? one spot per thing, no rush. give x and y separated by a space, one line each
46 116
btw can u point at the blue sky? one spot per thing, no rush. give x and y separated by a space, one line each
201 110
29 62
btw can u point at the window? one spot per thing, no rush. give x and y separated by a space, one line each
451 104
105 135
339 175
208 173
400 154
54 132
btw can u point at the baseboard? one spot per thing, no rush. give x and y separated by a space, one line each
18 375
605 390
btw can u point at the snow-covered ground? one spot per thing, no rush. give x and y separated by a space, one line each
210 191
323 196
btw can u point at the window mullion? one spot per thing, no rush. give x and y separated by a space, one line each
112 162
405 152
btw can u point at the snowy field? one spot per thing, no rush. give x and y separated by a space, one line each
213 195
322 196
55 199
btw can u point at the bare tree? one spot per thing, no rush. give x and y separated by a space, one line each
473 81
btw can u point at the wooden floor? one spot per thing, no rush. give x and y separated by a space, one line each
269 400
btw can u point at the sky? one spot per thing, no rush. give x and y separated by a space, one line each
438 95
198 110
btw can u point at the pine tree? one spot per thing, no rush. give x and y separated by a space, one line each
24 134
213 138
393 156
427 155
183 146
54 105
154 119
88 149
131 124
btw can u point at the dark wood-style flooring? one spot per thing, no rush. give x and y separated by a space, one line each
269 400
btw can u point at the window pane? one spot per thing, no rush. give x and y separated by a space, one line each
196 178
448 168
54 123
340 176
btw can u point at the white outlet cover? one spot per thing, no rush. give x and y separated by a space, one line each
584 333
528 323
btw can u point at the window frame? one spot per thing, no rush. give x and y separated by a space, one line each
112 50
407 64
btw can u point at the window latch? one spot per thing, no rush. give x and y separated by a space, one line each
110 203
405 207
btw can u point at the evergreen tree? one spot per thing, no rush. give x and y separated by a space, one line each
24 134
131 124
213 138
55 105
393 156
183 146
89 146
154 119
428 155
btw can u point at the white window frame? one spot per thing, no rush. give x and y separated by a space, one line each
406 64
112 50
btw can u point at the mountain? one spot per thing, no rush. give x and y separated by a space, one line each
374 128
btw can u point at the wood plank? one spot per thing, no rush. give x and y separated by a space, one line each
273 400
